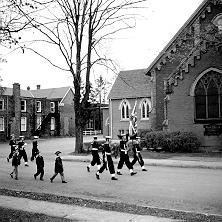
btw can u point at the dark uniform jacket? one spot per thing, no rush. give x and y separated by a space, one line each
39 162
21 145
15 159
58 165
95 144
12 143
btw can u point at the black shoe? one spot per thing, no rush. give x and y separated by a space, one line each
114 178
16 178
119 173
51 180
144 169
41 179
26 165
35 176
11 174
64 181
97 176
133 173
88 169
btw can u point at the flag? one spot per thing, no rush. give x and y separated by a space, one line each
133 122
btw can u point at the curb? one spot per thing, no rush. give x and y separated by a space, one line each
159 162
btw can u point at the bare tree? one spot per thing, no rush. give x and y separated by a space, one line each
78 29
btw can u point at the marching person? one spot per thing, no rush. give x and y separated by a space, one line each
107 160
124 157
12 144
137 155
15 163
34 147
22 152
40 165
95 155
58 168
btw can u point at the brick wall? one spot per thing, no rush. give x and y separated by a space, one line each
181 104
117 124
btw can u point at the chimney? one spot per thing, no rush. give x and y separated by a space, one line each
17 108
38 87
28 88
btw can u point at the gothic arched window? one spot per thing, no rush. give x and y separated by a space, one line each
208 96
125 110
145 109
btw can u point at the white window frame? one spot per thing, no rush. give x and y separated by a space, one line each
2 125
23 124
145 102
52 124
23 110
2 102
38 106
123 106
38 122
52 107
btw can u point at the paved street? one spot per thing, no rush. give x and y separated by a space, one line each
186 189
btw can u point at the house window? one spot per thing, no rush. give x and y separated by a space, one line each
1 104
38 122
125 110
23 124
38 106
90 124
208 96
145 109
23 105
217 21
52 107
2 124
52 123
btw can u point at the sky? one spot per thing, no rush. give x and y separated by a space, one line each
132 49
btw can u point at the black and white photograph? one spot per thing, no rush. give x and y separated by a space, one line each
110 110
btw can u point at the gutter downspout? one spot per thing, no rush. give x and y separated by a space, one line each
111 119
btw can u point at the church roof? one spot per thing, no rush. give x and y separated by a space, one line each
131 84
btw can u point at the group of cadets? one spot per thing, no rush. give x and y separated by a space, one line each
18 151
107 156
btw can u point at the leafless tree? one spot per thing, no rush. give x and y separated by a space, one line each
78 29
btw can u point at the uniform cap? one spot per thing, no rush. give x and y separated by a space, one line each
57 152
138 137
35 137
21 137
95 137
108 137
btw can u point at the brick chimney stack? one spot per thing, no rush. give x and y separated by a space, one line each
17 109
38 87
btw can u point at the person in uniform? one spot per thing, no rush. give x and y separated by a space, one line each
95 155
124 157
34 147
58 168
22 152
12 144
137 155
40 165
15 163
107 160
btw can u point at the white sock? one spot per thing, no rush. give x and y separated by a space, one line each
98 167
143 167
113 175
131 171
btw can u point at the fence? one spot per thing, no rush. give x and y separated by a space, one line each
92 132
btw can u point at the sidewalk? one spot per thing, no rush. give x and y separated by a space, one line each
189 162
74 213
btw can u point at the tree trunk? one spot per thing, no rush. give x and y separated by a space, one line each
79 139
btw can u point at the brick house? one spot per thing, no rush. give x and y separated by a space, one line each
43 112
130 88
186 95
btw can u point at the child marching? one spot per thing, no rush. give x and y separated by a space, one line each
40 165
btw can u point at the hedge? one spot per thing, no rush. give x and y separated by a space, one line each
171 141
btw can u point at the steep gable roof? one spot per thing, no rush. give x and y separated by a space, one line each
131 84
160 59
52 93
